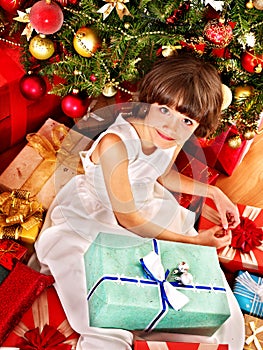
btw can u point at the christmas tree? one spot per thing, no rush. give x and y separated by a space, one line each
105 46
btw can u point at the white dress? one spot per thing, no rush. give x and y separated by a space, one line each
82 209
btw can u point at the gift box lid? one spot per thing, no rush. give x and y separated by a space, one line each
122 295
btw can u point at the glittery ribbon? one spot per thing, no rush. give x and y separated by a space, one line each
43 332
54 152
155 276
111 4
253 336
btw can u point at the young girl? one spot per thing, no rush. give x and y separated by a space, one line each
126 190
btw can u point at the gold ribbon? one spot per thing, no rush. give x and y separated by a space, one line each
111 4
53 153
253 336
19 213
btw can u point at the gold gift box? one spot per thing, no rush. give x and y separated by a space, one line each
47 162
254 333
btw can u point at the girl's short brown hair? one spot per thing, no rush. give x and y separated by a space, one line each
189 85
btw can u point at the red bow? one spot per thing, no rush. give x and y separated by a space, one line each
246 235
49 339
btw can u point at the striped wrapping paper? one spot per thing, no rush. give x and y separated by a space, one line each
152 345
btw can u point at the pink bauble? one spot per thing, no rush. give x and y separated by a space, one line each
46 17
218 34
74 106
32 86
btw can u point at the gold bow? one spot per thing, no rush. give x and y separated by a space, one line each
54 152
118 4
253 336
17 212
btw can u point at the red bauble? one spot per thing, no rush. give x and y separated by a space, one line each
93 78
46 17
32 86
218 34
74 106
251 62
11 6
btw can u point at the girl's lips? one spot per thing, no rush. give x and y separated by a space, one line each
164 136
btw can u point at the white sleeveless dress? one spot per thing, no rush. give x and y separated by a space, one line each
82 209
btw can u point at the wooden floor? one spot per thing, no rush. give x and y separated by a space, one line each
245 185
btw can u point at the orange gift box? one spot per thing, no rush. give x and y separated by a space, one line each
246 249
43 326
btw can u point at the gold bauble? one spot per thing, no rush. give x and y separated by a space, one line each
258 4
167 52
249 5
109 90
227 96
86 42
41 47
235 142
249 134
243 91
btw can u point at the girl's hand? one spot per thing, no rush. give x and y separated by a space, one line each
215 237
227 210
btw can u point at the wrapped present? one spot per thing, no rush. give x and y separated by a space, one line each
21 217
44 325
190 166
152 345
17 293
19 116
245 251
248 290
130 285
10 253
47 162
254 333
217 153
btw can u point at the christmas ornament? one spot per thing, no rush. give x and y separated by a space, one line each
258 4
217 5
227 96
86 42
23 17
242 92
11 6
218 33
32 86
235 142
109 90
249 134
178 13
93 78
252 62
249 5
111 4
41 47
73 105
46 17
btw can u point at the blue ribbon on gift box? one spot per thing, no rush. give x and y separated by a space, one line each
152 280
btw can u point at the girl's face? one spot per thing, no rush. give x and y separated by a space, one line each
168 127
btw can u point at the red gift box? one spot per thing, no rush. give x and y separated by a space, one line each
17 293
190 166
44 324
217 153
152 345
10 253
246 249
19 116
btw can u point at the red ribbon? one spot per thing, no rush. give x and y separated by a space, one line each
246 235
49 339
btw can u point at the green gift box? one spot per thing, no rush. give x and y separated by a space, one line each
134 284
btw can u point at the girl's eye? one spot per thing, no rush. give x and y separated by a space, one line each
188 121
164 110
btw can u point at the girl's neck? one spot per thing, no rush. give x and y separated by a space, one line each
143 134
